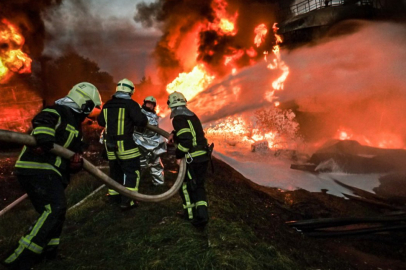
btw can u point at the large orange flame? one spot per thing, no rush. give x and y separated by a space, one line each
12 59
274 128
192 83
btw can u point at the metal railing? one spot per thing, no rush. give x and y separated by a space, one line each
310 5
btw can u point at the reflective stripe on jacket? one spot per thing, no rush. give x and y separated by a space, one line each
119 117
190 138
57 124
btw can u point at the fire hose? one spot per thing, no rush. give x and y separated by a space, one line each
25 139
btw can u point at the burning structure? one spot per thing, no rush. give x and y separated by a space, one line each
225 71
17 109
253 95
22 35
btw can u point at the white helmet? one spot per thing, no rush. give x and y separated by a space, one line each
150 99
125 85
176 99
86 96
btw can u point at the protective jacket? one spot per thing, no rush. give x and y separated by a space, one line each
119 117
189 136
56 124
151 146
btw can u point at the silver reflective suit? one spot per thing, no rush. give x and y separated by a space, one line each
151 146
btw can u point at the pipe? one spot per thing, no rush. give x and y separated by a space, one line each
87 197
20 138
400 227
11 205
312 224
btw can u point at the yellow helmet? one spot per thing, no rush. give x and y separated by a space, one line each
176 99
86 96
150 99
125 85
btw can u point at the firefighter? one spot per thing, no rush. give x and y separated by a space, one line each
192 144
44 175
151 144
119 116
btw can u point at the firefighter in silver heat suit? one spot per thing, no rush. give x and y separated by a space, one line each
151 144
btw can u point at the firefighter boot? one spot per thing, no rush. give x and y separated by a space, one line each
127 203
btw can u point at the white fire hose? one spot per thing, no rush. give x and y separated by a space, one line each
20 138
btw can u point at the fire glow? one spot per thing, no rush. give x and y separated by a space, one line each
12 59
277 63
260 32
381 140
192 83
236 129
197 80
230 93
273 127
223 23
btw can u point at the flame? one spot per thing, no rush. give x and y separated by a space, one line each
236 129
227 26
260 32
230 60
344 136
158 110
277 63
161 112
274 128
195 81
12 59
223 23
381 140
192 83
251 52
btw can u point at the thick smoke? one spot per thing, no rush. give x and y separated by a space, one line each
26 15
354 83
113 41
182 22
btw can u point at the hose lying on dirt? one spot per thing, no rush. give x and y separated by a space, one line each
20 138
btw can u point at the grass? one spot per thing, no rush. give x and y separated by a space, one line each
246 230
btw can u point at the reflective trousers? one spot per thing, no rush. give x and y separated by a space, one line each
125 172
193 192
47 194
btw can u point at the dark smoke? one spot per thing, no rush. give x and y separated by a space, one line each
26 15
115 43
180 19
176 19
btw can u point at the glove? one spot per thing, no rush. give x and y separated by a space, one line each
76 163
171 139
